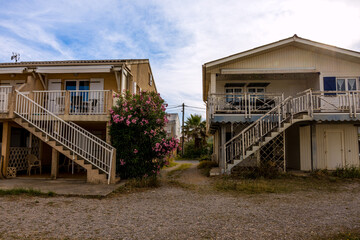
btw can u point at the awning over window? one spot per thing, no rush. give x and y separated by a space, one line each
75 69
12 70
257 84
234 84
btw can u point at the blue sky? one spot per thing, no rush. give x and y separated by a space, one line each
177 36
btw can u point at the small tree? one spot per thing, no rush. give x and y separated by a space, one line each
195 129
137 132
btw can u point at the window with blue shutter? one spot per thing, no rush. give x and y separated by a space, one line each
330 85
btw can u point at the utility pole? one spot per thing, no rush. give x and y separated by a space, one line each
182 140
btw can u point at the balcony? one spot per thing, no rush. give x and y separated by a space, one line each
73 105
243 103
248 107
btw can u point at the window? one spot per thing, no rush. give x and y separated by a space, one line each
81 86
346 84
233 94
150 79
256 90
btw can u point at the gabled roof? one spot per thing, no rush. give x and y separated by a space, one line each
286 41
294 40
74 62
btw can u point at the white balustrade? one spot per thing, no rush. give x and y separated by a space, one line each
78 140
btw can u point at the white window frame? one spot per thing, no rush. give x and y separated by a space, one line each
232 95
346 83
256 89
77 83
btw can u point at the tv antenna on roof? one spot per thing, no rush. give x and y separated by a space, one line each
15 56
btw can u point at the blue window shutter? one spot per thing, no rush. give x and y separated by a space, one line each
330 85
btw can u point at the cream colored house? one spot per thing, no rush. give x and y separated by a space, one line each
172 128
294 102
60 110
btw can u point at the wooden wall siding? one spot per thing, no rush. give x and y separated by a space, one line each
305 148
351 147
295 57
288 87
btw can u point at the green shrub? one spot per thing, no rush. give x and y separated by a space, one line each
191 152
347 172
266 169
137 132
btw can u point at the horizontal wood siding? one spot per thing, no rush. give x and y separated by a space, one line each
295 57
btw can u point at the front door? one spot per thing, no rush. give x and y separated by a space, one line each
334 143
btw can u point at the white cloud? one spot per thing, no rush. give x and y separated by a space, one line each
177 36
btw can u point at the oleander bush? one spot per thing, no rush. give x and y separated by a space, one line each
137 132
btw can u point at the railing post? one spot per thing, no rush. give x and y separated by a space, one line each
110 101
67 104
349 102
311 104
112 169
354 103
12 103
246 105
279 115
243 146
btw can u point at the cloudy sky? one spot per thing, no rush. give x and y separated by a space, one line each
177 36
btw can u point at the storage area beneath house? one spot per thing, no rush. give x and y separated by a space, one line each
322 145
29 157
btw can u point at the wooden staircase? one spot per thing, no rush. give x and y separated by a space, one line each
76 143
269 126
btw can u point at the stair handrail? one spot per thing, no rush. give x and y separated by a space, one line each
290 106
77 133
258 120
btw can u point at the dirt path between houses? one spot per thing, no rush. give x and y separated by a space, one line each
173 212
192 175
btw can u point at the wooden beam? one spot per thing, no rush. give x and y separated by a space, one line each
42 81
118 80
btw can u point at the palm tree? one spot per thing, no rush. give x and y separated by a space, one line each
195 129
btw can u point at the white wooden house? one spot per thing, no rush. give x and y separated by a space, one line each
294 102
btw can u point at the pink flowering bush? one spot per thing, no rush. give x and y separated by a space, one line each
137 132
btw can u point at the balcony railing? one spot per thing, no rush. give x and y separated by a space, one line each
243 103
347 102
75 102
336 102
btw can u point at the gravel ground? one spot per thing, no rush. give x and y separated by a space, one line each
176 213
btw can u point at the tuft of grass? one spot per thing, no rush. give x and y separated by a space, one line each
348 235
285 184
347 172
206 166
171 164
248 186
138 184
28 192
180 169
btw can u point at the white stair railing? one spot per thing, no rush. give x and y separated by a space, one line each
237 146
78 140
